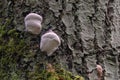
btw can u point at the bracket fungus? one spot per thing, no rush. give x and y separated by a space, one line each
100 71
49 42
33 23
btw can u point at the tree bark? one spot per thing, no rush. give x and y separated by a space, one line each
89 31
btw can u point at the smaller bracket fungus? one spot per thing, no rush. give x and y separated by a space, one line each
33 23
100 71
49 42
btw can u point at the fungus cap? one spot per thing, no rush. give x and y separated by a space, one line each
33 23
99 70
49 42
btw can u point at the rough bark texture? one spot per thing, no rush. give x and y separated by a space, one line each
89 31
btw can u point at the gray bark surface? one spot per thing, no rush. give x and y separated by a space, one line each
89 32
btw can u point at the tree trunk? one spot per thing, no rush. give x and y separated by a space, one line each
89 32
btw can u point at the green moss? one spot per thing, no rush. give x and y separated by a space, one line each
59 74
13 46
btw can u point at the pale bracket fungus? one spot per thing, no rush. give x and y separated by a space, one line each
33 23
100 71
49 42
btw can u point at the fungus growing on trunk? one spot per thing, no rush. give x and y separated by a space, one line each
33 23
49 42
99 71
